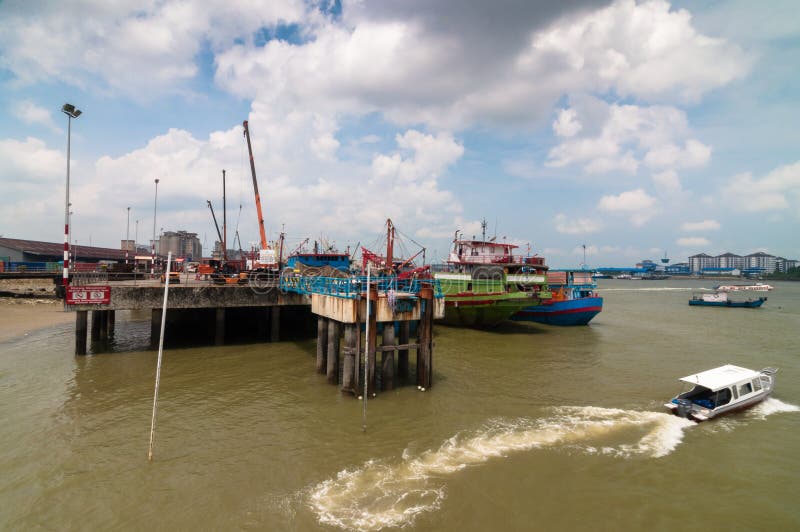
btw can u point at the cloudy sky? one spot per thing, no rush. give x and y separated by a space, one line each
635 128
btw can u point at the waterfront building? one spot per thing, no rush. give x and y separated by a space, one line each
730 261
701 261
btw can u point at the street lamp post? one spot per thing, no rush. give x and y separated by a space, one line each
128 236
153 243
71 112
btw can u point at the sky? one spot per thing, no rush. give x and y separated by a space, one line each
638 129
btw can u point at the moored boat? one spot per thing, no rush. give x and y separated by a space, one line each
721 299
721 390
573 302
485 283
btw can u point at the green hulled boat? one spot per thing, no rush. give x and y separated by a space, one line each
484 283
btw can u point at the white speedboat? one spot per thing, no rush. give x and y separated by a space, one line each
758 287
721 390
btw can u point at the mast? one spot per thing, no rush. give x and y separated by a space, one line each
224 221
389 244
263 233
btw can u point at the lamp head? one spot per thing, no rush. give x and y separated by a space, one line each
70 110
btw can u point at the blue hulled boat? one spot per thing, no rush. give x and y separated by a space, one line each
574 300
720 299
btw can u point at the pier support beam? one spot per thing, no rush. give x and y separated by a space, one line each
275 324
81 318
402 355
333 352
219 328
103 319
425 340
350 368
111 321
322 345
387 356
155 327
95 325
372 342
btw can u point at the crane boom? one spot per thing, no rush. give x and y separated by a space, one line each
219 234
263 234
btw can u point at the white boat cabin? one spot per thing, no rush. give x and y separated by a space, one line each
721 389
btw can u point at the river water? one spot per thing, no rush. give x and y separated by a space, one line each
529 427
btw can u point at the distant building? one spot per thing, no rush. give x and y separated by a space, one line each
730 260
761 262
701 261
678 268
181 244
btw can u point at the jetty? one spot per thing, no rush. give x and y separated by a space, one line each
338 305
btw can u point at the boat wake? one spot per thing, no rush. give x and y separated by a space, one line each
385 494
653 289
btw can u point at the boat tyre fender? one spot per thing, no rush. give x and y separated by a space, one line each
494 273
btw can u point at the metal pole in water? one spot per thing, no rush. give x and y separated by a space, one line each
366 355
160 355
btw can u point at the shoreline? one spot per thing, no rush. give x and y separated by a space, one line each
22 316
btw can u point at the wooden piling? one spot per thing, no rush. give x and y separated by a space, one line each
402 354
387 356
322 345
81 318
349 359
219 326
333 352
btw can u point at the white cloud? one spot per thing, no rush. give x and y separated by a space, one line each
576 226
667 182
693 242
778 190
567 124
705 225
136 48
30 113
637 204
618 137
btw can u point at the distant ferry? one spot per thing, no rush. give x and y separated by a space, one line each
574 300
758 287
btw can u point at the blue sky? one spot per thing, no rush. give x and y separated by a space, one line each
636 128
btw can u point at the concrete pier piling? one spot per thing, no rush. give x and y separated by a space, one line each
275 324
155 327
81 318
322 345
349 358
333 352
387 356
402 354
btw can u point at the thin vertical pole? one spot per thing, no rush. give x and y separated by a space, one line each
128 236
160 355
366 354
65 273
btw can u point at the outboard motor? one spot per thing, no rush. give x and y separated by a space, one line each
684 407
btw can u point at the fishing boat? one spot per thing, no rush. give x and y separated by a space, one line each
485 283
573 302
721 390
758 287
319 257
721 299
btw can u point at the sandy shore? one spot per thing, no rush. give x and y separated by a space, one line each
19 317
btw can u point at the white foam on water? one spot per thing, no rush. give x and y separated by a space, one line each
379 494
771 406
653 289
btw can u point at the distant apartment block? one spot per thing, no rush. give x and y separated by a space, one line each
730 263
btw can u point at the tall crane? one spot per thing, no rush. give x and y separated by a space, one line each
266 256
219 233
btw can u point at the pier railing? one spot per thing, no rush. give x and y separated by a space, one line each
354 287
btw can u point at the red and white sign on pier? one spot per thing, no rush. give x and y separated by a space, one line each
88 295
